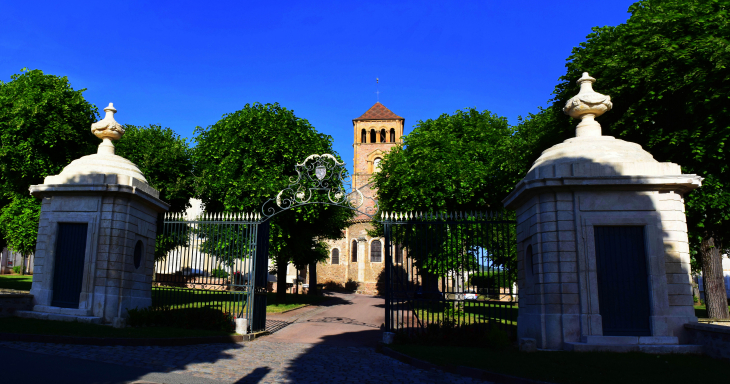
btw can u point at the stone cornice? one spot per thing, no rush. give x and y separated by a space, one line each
527 188
41 190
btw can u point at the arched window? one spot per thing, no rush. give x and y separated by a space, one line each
376 165
372 136
335 256
354 251
382 135
364 136
392 135
376 254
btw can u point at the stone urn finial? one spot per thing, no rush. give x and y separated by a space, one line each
107 129
587 105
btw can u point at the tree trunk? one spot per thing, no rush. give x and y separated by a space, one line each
22 264
281 265
313 279
713 281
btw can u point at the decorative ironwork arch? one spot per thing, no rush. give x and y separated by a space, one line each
321 179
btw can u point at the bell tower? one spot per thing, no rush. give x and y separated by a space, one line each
375 133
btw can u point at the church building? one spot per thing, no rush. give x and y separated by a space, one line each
358 257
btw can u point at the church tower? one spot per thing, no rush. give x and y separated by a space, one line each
375 133
357 260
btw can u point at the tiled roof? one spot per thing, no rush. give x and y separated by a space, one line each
379 112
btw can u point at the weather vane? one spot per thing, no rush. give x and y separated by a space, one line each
377 88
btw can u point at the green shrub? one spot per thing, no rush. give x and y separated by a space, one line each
16 269
188 318
490 280
449 333
220 273
351 285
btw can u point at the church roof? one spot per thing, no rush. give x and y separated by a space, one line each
379 112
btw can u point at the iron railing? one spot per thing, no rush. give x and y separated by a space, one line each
450 269
208 262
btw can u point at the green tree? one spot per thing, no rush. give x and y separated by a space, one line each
165 160
250 155
667 70
461 162
44 125
468 161
19 226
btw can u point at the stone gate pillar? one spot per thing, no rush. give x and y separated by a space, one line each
602 244
96 238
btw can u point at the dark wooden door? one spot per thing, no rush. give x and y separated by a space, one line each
623 280
68 272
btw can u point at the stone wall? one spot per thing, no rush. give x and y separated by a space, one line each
11 302
365 272
715 339
558 286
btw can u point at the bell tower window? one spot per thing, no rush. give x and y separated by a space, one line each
382 135
372 136
364 136
392 135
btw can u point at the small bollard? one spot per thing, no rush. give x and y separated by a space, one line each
242 326
119 322
388 337
528 345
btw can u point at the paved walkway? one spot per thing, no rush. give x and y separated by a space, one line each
320 345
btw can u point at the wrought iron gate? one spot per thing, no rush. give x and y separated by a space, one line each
209 261
455 269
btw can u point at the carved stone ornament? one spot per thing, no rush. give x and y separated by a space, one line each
107 130
587 105
321 179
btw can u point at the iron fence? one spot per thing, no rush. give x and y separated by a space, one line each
209 262
450 270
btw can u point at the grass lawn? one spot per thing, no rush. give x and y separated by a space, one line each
66 328
180 298
472 312
292 302
18 282
701 311
569 368
225 300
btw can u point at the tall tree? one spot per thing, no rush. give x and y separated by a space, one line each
44 125
460 162
467 161
668 71
250 155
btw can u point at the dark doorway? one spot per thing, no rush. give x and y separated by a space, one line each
623 280
68 272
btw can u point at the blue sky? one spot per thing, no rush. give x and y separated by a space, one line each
185 64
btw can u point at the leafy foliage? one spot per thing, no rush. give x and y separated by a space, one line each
44 125
247 157
189 318
460 162
164 159
19 225
666 70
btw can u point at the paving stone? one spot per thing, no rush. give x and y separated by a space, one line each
258 361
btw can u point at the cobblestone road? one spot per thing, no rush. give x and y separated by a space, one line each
259 361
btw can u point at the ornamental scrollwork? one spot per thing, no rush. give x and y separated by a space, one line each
320 179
